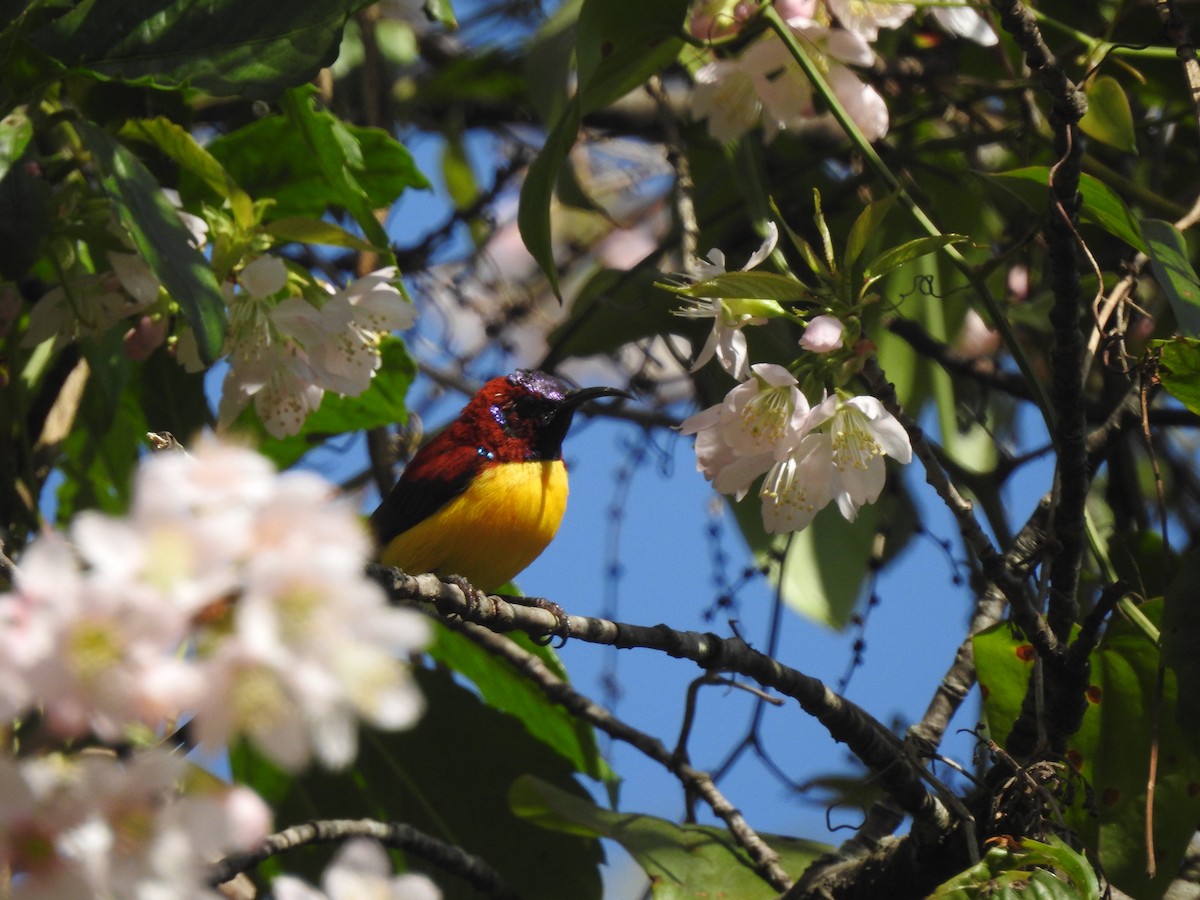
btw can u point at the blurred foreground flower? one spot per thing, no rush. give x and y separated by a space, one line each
262 574
360 870
767 83
98 826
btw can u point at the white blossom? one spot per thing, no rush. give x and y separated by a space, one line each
766 83
726 340
758 423
360 870
284 354
964 22
860 433
866 17
261 575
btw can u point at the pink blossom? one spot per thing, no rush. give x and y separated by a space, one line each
823 334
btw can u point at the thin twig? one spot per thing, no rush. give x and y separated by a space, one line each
700 783
1024 611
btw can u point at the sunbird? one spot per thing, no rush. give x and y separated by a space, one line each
487 494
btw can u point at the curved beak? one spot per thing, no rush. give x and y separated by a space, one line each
580 396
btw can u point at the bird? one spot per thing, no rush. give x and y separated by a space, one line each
486 495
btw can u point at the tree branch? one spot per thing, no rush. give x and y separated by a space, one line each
871 741
391 834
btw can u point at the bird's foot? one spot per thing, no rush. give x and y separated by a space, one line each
562 630
473 594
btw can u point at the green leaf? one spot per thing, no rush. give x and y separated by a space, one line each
223 47
620 43
16 131
821 570
448 776
747 285
177 143
1102 206
1111 750
1172 267
338 156
100 454
315 231
441 12
533 213
895 257
380 404
1179 370
613 308
508 690
458 174
683 862
160 238
1109 118
1025 870
1180 638
271 158
27 215
864 228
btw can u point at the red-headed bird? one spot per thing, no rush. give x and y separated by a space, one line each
487 494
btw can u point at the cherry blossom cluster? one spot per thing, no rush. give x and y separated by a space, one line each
229 593
290 338
764 83
98 826
88 305
765 426
286 350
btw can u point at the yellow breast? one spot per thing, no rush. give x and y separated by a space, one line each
491 531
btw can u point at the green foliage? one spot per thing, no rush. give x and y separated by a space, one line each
308 162
1102 206
1024 870
1109 118
1170 261
1111 750
1179 370
506 689
683 861
449 776
161 239
619 44
224 47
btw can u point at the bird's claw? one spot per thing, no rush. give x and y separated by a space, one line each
473 594
562 630
475 599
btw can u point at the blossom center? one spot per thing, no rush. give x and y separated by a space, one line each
94 649
854 446
258 699
767 415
